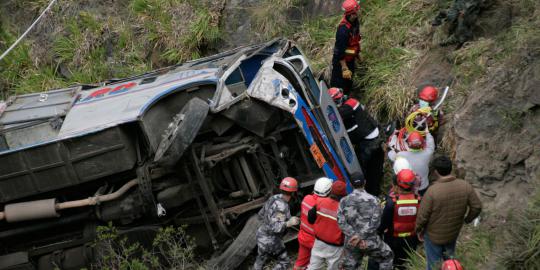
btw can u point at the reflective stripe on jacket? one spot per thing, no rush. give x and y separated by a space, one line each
306 235
405 211
353 44
326 226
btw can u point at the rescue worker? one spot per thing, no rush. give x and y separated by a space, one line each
347 47
399 219
364 133
461 17
419 155
275 219
306 235
359 216
329 238
426 98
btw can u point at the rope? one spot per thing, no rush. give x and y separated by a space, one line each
412 126
27 30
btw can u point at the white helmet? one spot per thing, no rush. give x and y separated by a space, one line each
323 186
400 164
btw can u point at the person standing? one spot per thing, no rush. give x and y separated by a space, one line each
275 218
347 47
329 238
447 204
306 235
359 216
363 130
399 219
419 155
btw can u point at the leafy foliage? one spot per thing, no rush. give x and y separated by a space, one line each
172 248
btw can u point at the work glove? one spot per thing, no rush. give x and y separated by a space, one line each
346 74
293 221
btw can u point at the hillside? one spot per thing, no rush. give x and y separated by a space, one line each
492 127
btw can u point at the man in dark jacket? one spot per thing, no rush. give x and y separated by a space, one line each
347 47
363 130
446 205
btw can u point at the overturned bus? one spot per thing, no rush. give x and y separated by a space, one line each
201 143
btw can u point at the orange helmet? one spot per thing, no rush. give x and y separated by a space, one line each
428 93
415 140
406 178
350 6
451 264
288 184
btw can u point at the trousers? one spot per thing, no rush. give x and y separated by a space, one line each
323 252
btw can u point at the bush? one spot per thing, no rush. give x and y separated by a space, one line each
171 248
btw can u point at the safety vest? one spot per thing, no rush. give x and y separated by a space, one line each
326 226
405 210
362 124
353 44
306 235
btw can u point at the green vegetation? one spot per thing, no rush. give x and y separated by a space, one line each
171 248
473 249
522 238
393 39
90 47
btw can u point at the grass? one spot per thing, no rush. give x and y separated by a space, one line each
522 238
473 249
392 43
89 47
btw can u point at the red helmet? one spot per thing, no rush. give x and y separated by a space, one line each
451 264
350 6
428 93
336 94
339 188
406 178
288 184
415 140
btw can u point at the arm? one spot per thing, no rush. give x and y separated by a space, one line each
430 143
312 215
346 111
345 227
376 212
387 216
424 213
475 205
278 217
342 38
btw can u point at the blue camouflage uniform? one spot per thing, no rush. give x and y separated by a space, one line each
359 213
274 216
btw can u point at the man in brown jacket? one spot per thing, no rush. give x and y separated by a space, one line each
443 211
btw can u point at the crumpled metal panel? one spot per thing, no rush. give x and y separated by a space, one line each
273 88
38 106
108 106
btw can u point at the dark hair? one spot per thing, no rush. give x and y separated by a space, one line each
442 164
285 192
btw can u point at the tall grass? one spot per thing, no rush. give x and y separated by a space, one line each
522 238
393 38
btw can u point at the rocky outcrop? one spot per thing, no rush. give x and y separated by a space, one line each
498 131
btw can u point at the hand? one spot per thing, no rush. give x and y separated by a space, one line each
293 221
362 244
354 240
420 236
346 74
